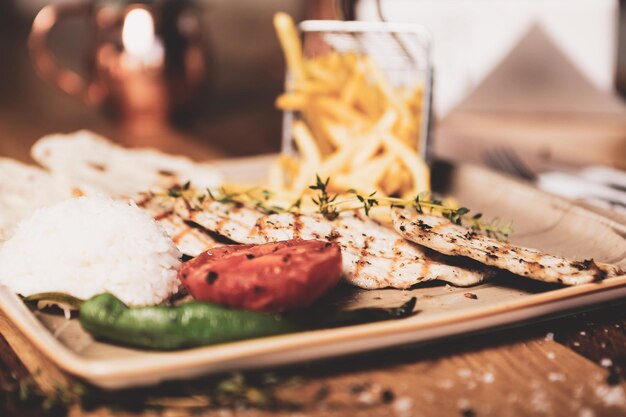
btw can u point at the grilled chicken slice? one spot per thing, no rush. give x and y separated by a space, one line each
374 256
191 239
442 235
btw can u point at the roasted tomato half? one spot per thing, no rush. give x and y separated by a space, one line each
273 277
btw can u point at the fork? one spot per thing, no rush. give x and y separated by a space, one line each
594 183
506 160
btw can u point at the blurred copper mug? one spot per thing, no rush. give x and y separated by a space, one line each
145 60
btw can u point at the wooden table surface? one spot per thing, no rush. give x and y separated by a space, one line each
571 366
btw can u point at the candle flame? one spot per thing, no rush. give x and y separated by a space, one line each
138 32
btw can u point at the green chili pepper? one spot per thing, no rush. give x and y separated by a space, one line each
196 323
170 327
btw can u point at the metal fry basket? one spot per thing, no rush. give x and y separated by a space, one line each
401 50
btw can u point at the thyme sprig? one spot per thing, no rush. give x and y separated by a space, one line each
330 205
260 199
324 200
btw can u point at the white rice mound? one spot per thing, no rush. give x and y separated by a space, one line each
89 245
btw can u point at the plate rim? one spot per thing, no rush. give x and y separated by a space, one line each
94 370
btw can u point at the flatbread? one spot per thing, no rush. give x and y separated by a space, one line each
93 164
23 189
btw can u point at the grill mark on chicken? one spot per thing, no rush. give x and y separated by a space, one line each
433 229
379 268
163 216
189 239
220 224
446 237
257 229
426 268
207 234
176 238
297 226
396 257
147 198
363 255
227 217
191 233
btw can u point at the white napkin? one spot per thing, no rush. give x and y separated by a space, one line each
472 38
599 185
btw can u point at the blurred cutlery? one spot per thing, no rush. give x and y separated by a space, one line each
598 184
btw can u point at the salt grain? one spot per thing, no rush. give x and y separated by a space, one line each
402 404
576 344
556 376
488 378
549 337
551 355
583 333
366 398
539 401
606 362
464 373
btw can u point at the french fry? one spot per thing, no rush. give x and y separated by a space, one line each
276 176
377 167
370 174
371 143
337 161
306 143
342 182
281 172
385 87
406 181
313 121
340 112
291 167
336 133
290 43
414 163
310 156
370 102
291 101
352 88
368 147
313 87
387 120
318 72
334 61
305 177
393 179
